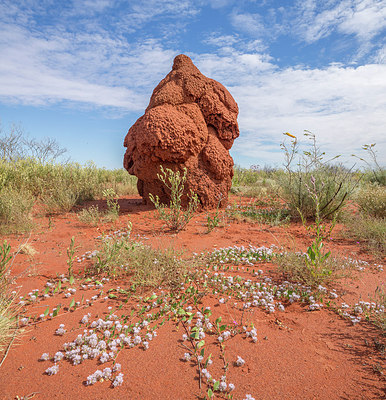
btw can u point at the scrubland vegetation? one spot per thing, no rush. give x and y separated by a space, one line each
317 193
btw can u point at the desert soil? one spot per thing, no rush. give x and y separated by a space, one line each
299 354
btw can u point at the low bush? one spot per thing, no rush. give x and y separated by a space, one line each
175 217
371 200
90 215
305 268
368 231
15 210
308 171
148 267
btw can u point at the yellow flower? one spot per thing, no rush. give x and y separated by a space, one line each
288 134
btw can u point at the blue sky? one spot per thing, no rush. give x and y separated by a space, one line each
83 71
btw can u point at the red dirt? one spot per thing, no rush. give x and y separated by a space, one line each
298 355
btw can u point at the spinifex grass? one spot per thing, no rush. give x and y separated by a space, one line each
368 231
274 215
8 321
59 187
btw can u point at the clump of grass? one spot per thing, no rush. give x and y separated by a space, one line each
7 314
367 230
252 212
15 210
90 215
380 300
112 204
372 200
148 267
175 217
28 250
299 267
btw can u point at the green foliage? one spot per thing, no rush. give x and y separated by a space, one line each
380 300
333 183
71 256
15 210
148 267
213 221
175 217
59 187
90 215
273 215
313 268
7 320
112 203
371 200
368 231
255 182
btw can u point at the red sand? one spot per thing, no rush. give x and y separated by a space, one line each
298 355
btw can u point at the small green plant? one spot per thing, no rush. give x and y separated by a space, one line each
175 217
90 215
71 257
5 258
112 203
214 221
380 301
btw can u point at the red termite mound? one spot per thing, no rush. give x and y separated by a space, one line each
191 122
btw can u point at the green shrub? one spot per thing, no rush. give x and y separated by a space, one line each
57 186
15 210
372 200
305 268
332 183
254 182
112 204
90 215
175 217
369 231
148 267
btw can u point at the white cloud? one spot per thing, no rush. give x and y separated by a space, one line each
343 106
366 19
92 69
363 18
248 22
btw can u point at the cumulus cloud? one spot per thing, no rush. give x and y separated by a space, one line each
97 67
343 106
94 69
365 19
